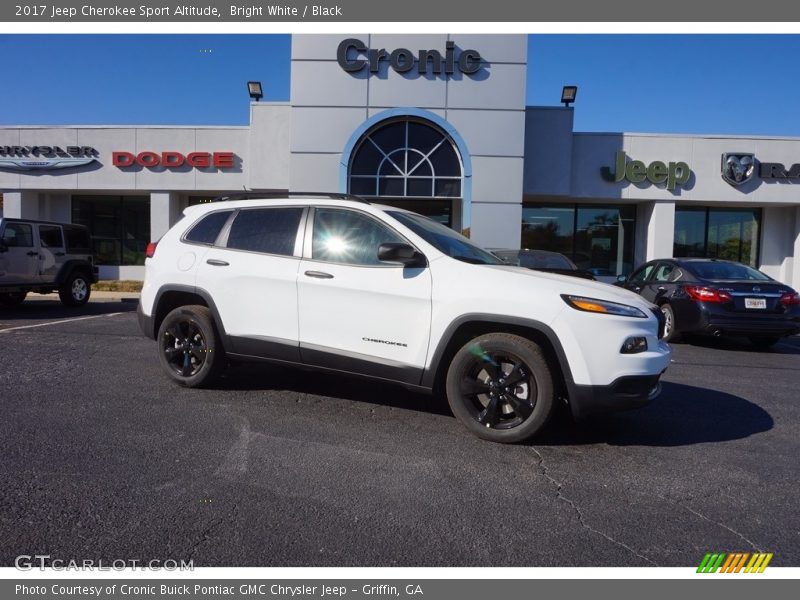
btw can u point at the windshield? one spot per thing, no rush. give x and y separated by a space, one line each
726 271
445 239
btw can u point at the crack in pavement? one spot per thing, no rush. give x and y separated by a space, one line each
581 520
206 533
705 518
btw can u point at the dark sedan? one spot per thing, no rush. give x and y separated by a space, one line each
717 297
542 260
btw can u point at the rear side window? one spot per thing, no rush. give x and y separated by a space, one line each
77 240
207 230
267 230
50 236
18 235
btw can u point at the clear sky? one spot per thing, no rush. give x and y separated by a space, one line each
655 83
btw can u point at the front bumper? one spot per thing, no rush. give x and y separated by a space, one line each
624 393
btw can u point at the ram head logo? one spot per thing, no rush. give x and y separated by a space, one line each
738 167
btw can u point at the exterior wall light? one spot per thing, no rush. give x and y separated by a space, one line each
568 94
254 89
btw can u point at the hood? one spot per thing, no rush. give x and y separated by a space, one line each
564 284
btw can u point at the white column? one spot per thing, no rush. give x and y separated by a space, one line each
794 279
164 213
21 205
657 224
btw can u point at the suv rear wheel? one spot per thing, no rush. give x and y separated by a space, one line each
75 290
500 387
189 346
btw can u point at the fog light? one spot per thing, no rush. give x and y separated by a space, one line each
634 345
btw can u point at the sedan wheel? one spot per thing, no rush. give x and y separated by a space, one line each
670 334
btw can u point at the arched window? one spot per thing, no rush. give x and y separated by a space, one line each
406 158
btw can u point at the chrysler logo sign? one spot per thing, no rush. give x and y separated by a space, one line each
33 158
738 167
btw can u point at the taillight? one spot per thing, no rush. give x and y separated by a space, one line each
790 298
706 294
150 250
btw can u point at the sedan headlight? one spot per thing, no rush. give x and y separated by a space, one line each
602 306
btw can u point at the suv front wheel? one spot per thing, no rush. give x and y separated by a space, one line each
75 290
500 387
189 347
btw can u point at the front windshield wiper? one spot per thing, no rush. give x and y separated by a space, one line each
470 259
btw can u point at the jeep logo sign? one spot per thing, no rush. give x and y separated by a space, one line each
657 172
353 56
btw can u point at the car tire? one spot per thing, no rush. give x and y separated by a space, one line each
12 299
479 381
75 290
189 347
764 343
670 333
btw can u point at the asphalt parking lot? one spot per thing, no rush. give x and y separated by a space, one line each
102 457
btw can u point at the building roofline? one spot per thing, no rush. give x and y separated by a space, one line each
124 126
710 136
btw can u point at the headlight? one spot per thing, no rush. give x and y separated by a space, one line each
602 306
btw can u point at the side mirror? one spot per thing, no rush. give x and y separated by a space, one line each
622 278
404 254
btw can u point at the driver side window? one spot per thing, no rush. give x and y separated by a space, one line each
347 236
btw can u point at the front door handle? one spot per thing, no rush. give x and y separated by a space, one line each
319 274
217 263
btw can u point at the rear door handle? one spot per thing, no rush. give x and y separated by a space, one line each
217 263
319 274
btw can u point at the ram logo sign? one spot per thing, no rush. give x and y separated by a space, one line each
738 167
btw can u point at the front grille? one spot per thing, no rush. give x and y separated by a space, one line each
661 321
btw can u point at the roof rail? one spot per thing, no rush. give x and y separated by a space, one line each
279 195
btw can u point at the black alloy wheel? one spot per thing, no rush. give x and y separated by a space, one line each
189 347
500 386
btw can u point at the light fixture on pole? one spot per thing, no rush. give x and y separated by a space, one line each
568 94
254 89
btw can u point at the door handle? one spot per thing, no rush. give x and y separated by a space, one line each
33 253
217 263
60 253
319 274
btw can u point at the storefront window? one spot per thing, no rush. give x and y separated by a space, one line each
728 233
597 238
119 225
406 158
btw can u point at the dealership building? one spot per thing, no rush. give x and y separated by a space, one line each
433 123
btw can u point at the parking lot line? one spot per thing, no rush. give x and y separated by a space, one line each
59 321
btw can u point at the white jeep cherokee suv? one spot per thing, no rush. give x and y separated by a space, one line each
333 282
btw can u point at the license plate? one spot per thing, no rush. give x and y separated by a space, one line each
755 303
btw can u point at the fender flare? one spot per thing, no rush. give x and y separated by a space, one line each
429 376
